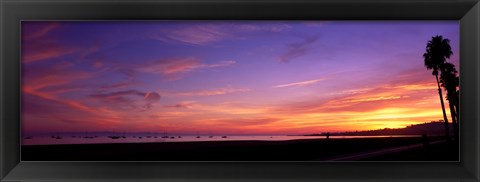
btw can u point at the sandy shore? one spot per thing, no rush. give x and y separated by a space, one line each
292 150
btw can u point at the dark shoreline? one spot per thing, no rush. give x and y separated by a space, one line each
290 150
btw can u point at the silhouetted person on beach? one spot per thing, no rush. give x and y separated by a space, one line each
328 135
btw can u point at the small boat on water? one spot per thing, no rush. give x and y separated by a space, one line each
29 137
113 136
224 136
58 137
172 137
210 137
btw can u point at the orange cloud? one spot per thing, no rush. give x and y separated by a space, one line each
387 105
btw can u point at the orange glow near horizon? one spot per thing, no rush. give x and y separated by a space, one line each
245 78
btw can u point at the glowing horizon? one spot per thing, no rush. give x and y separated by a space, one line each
229 77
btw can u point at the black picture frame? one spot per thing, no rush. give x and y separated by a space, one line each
14 11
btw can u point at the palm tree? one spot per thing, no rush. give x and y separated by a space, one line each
437 51
450 82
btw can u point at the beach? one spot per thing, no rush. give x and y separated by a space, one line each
365 149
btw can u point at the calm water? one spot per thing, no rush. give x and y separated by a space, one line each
44 140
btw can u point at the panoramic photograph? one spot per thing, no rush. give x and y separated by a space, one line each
240 91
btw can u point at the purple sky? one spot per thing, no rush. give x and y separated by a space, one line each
228 77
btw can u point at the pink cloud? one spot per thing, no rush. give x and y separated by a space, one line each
172 67
44 52
42 30
40 44
97 64
184 104
120 85
43 113
57 79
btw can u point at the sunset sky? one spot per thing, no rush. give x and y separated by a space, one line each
229 77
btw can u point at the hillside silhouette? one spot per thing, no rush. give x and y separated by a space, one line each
434 128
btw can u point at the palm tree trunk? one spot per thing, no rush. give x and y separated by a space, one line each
454 118
447 133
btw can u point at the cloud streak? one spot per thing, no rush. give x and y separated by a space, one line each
40 30
298 49
172 67
299 84
128 99
213 92
192 35
206 34
182 105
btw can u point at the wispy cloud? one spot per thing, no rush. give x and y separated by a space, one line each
41 42
192 35
128 99
274 28
120 85
241 122
172 67
205 34
183 104
379 98
40 29
118 94
38 43
351 91
212 92
315 24
151 98
299 84
298 49
44 51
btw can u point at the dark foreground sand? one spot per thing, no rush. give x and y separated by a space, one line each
293 150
